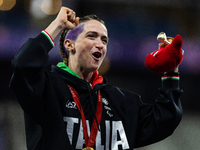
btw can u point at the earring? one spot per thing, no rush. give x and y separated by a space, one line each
72 50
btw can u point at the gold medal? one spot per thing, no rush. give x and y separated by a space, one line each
88 148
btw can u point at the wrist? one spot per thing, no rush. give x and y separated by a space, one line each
171 74
54 29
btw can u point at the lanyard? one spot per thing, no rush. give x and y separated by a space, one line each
89 141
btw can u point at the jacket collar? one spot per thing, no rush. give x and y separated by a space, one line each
70 78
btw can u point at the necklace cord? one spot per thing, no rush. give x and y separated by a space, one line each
93 107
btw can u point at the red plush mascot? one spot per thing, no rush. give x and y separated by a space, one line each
168 56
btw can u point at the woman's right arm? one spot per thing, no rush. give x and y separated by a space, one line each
29 76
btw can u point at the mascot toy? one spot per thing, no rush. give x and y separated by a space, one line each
168 56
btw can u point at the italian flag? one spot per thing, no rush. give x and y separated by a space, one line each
170 77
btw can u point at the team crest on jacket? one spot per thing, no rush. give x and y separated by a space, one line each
105 101
109 111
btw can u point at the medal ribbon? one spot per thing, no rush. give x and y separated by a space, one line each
89 141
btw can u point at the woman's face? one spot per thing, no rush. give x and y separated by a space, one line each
90 46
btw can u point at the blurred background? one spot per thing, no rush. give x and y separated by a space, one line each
132 27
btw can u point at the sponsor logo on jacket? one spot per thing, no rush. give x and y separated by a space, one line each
71 104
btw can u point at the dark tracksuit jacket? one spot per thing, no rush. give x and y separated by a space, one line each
53 121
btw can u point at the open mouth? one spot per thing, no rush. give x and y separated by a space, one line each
97 54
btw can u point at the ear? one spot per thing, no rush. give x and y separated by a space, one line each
69 45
